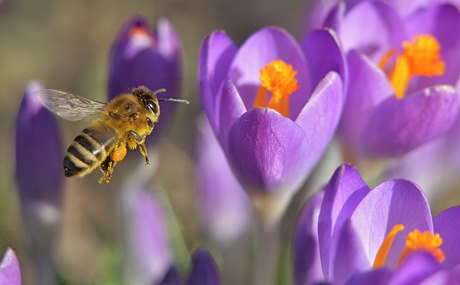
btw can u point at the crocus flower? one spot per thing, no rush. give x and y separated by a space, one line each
146 237
272 108
10 272
402 74
39 176
224 207
152 58
204 270
384 232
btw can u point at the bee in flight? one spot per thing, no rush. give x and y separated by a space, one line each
122 123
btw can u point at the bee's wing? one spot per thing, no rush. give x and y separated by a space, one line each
70 106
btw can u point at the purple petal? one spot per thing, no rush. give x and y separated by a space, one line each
374 277
398 126
368 87
39 171
268 151
320 117
172 277
10 272
392 202
335 17
260 49
442 22
149 253
224 207
149 58
415 268
446 225
216 54
318 12
349 254
324 54
204 270
372 27
306 259
343 192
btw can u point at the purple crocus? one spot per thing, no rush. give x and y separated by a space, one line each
384 235
272 108
10 272
146 236
224 207
402 74
152 58
39 177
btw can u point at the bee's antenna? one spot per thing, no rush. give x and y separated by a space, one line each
158 91
173 100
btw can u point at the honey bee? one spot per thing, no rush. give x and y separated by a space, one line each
122 123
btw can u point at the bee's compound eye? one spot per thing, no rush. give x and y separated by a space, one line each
150 123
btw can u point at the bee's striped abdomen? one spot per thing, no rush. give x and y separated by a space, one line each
88 150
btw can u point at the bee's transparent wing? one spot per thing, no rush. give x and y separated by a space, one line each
70 106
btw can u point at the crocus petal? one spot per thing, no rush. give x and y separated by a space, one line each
416 267
10 272
392 202
345 189
372 27
405 124
268 151
367 88
216 54
442 22
374 277
324 54
39 171
306 259
149 253
335 17
260 49
140 56
443 224
224 207
204 270
320 117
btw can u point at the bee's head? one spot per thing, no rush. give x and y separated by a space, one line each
149 100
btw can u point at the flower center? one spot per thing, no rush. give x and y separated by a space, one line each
415 240
421 57
277 81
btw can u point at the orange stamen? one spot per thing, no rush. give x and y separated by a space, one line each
278 78
416 240
119 153
421 57
384 250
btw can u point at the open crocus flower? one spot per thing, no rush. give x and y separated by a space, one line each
402 72
10 272
272 108
388 231
152 58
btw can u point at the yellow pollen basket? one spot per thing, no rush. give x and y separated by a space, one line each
278 79
421 57
415 240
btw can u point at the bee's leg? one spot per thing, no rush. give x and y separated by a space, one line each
143 150
107 169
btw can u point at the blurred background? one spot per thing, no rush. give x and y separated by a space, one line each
66 45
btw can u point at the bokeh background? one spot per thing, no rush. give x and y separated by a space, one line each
65 45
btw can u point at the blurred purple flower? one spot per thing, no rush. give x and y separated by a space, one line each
204 270
272 143
10 271
224 207
39 176
146 237
152 58
388 229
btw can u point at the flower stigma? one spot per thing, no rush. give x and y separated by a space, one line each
420 57
415 240
278 79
